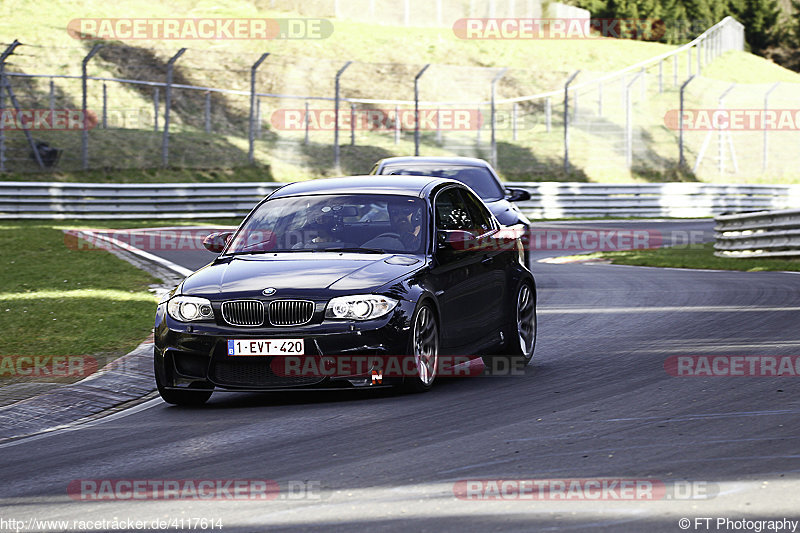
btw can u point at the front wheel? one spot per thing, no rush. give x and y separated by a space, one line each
424 348
182 396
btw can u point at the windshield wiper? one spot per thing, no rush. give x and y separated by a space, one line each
256 252
352 249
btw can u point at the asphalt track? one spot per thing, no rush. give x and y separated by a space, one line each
596 402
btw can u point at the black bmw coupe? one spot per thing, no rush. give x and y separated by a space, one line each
327 280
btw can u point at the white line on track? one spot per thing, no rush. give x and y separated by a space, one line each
677 309
136 251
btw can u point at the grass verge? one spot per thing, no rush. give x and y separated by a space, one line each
694 257
59 301
55 300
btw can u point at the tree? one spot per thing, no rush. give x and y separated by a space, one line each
760 19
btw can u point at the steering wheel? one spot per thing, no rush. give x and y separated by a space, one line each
393 235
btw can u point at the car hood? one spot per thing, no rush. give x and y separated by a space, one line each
298 274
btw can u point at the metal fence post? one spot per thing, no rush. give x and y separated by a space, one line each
258 117
688 62
7 52
661 76
699 57
251 133
675 70
494 115
52 96
629 120
352 124
764 126
682 159
155 109
336 163
2 109
566 120
167 106
105 106
85 129
416 107
207 112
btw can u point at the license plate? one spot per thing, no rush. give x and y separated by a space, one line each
250 347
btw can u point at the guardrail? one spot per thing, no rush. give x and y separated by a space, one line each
54 200
759 234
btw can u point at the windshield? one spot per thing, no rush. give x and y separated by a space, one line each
479 179
355 222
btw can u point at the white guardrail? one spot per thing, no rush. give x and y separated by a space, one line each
40 200
759 234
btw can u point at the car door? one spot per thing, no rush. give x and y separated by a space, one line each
459 276
494 259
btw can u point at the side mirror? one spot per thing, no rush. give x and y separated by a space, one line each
216 242
455 240
517 195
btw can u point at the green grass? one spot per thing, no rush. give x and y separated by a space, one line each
59 301
692 257
56 300
386 60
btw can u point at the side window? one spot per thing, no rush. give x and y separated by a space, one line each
452 212
374 169
481 216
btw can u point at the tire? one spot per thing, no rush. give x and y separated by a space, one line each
522 342
179 397
424 347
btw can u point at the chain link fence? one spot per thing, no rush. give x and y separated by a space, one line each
184 110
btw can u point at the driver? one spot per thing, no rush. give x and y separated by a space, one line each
405 221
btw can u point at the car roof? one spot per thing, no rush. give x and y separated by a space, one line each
467 161
373 184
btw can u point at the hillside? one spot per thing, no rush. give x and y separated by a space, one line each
386 59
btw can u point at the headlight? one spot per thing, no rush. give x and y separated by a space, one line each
189 308
362 307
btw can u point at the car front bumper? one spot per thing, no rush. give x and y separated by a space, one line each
195 355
